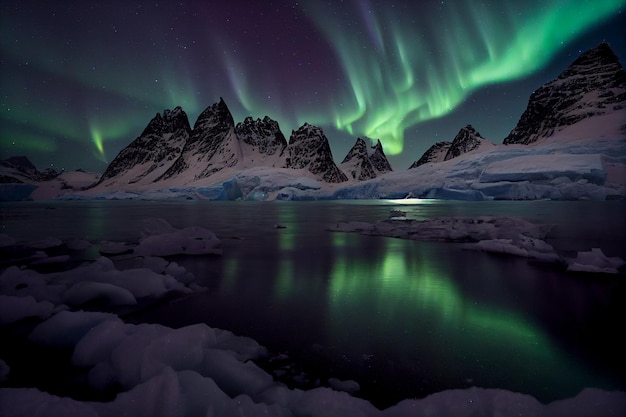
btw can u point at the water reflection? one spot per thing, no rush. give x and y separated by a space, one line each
405 303
415 317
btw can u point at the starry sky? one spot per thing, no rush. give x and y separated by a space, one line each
79 80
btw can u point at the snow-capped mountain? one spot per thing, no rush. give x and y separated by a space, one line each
211 147
360 165
262 142
19 169
575 126
468 139
436 153
309 149
20 180
593 85
379 160
154 152
169 152
357 164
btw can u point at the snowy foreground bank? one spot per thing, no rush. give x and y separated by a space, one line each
201 371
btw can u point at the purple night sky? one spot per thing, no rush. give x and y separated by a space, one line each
80 80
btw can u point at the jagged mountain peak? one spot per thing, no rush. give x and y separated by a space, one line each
217 113
379 160
359 150
261 138
168 122
436 153
360 164
18 168
146 158
211 147
308 148
594 85
308 130
357 164
21 163
465 141
602 56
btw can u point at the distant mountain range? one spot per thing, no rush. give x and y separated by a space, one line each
169 153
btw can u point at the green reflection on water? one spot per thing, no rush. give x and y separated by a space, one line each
411 300
284 284
288 218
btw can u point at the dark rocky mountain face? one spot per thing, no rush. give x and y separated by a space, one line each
264 136
308 148
160 144
435 153
466 140
594 84
357 162
212 145
379 160
170 122
17 167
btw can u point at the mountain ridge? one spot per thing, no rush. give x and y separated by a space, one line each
582 106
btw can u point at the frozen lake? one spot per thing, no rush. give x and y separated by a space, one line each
403 318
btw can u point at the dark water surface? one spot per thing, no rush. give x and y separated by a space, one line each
402 318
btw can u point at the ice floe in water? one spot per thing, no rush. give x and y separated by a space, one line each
506 235
595 261
161 239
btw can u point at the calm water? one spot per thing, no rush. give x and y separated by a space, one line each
403 318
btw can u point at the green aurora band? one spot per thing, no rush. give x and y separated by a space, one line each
397 81
395 70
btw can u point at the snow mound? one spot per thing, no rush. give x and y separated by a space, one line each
161 239
197 370
13 309
99 282
595 261
87 291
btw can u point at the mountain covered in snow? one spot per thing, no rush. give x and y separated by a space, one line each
468 139
593 85
264 141
171 153
308 148
359 164
570 143
153 153
19 169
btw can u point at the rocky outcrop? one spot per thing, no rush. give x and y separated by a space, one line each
262 141
435 153
360 165
19 169
211 147
379 160
153 152
357 165
309 149
468 139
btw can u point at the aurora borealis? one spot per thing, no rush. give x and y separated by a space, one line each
80 80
